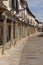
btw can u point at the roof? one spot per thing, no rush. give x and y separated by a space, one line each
37 21
23 1
30 12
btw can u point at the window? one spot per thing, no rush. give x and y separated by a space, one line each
15 5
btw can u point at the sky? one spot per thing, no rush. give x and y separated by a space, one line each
36 7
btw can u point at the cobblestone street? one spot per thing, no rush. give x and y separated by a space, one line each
28 51
32 53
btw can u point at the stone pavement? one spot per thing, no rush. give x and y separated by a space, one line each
28 51
32 53
12 56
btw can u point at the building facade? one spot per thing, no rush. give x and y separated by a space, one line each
16 22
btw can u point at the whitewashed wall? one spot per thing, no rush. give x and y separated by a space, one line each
6 3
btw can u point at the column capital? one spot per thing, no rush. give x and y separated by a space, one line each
4 15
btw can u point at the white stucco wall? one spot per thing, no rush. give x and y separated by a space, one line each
6 3
20 6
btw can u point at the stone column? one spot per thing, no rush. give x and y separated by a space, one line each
11 38
22 31
26 30
16 33
4 34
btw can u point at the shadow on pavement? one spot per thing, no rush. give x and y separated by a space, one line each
41 35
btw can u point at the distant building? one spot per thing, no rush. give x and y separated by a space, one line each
40 26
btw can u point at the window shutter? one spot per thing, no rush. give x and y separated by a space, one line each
14 4
17 6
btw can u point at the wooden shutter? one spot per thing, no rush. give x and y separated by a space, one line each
14 4
17 6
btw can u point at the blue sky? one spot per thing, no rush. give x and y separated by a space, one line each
36 6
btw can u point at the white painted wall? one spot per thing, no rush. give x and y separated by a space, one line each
6 3
20 6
